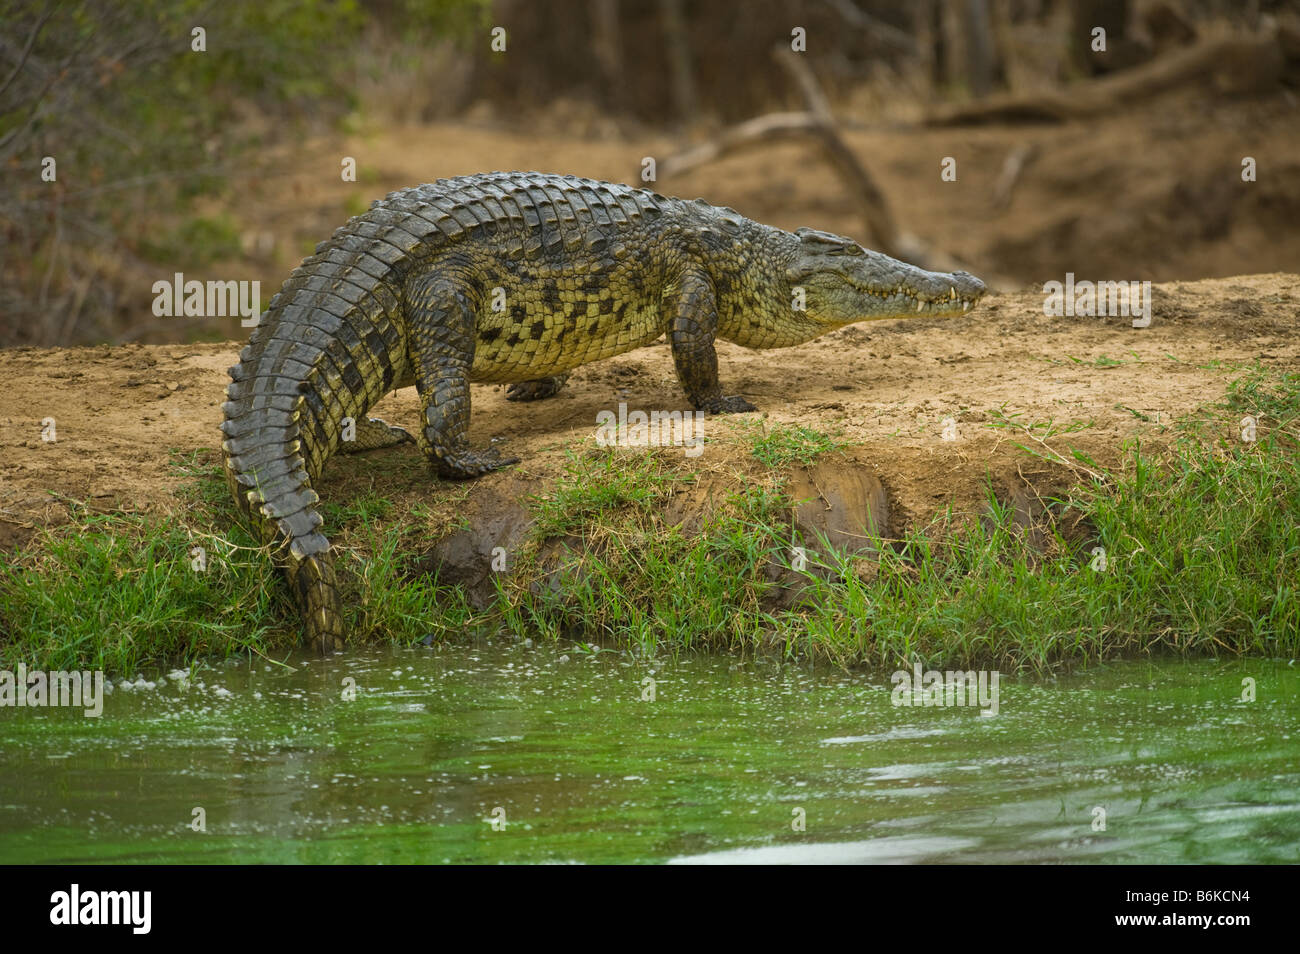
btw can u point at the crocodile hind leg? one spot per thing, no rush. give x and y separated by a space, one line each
372 434
536 390
441 350
692 331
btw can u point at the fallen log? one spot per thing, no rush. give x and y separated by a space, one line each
1231 65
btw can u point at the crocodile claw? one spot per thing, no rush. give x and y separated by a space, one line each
464 465
536 390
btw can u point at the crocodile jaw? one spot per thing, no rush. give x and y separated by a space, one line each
846 283
938 295
877 287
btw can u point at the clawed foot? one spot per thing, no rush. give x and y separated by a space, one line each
536 390
372 434
465 465
727 405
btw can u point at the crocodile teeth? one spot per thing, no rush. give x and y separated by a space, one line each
952 292
965 306
919 304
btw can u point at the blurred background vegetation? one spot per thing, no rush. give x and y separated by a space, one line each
159 148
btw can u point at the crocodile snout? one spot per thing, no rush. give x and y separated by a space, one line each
968 286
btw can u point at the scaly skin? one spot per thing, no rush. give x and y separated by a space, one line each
516 277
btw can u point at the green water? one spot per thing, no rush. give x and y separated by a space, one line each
718 767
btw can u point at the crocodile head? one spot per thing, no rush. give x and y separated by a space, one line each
844 283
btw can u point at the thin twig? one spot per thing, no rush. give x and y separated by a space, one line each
31 41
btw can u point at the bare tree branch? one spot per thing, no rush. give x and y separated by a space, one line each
31 41
854 16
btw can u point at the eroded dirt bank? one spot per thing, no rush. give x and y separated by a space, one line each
885 390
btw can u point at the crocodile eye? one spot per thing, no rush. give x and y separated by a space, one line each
828 243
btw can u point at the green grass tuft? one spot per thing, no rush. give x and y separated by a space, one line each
784 445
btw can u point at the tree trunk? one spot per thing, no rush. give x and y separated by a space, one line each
680 73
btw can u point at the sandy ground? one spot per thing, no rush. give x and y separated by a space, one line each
885 388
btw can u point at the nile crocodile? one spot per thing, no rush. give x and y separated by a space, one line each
516 277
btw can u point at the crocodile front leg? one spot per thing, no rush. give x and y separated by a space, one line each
440 346
536 390
692 331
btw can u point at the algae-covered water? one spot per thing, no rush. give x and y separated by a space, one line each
508 753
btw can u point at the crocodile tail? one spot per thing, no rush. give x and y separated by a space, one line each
326 349
315 588
267 428
306 559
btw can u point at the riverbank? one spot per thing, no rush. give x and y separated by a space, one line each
1004 490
